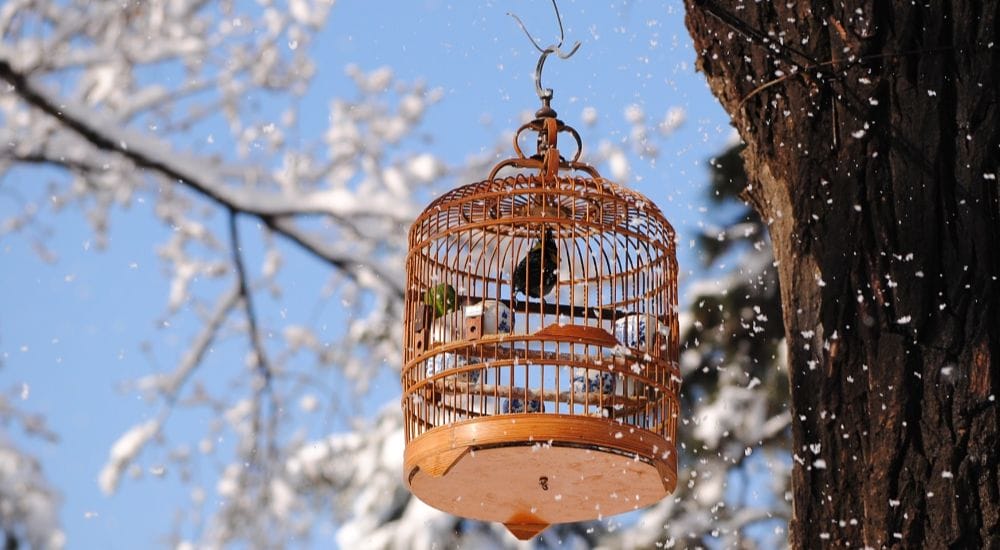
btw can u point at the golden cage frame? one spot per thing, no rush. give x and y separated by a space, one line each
533 411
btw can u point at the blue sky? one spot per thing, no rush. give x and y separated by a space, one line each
72 332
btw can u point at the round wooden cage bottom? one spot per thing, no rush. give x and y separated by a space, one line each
528 471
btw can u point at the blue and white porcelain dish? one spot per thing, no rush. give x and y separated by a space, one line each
450 327
516 405
637 331
593 381
442 362
497 318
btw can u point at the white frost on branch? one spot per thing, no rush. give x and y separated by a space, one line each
28 506
124 451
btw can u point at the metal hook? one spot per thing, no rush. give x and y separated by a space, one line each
546 93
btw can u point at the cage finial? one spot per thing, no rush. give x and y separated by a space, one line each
545 94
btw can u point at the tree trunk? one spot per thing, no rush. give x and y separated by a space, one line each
873 148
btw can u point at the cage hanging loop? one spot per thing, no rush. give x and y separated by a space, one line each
544 134
545 94
547 148
546 127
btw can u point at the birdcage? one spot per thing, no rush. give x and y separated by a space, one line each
540 382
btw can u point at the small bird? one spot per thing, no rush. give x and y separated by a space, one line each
537 273
442 299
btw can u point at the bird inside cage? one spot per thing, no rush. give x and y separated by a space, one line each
538 272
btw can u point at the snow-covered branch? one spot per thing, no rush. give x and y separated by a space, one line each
191 171
28 506
171 384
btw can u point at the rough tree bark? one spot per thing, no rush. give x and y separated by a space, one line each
873 148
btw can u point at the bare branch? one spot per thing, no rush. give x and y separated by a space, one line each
262 386
201 344
361 272
264 369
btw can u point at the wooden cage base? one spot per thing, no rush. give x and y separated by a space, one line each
528 471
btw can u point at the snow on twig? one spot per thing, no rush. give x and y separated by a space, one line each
172 384
124 451
194 173
28 505
264 372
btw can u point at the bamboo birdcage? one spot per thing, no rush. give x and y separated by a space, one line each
541 405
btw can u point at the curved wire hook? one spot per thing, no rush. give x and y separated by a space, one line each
546 93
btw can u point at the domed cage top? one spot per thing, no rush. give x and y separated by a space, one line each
540 382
